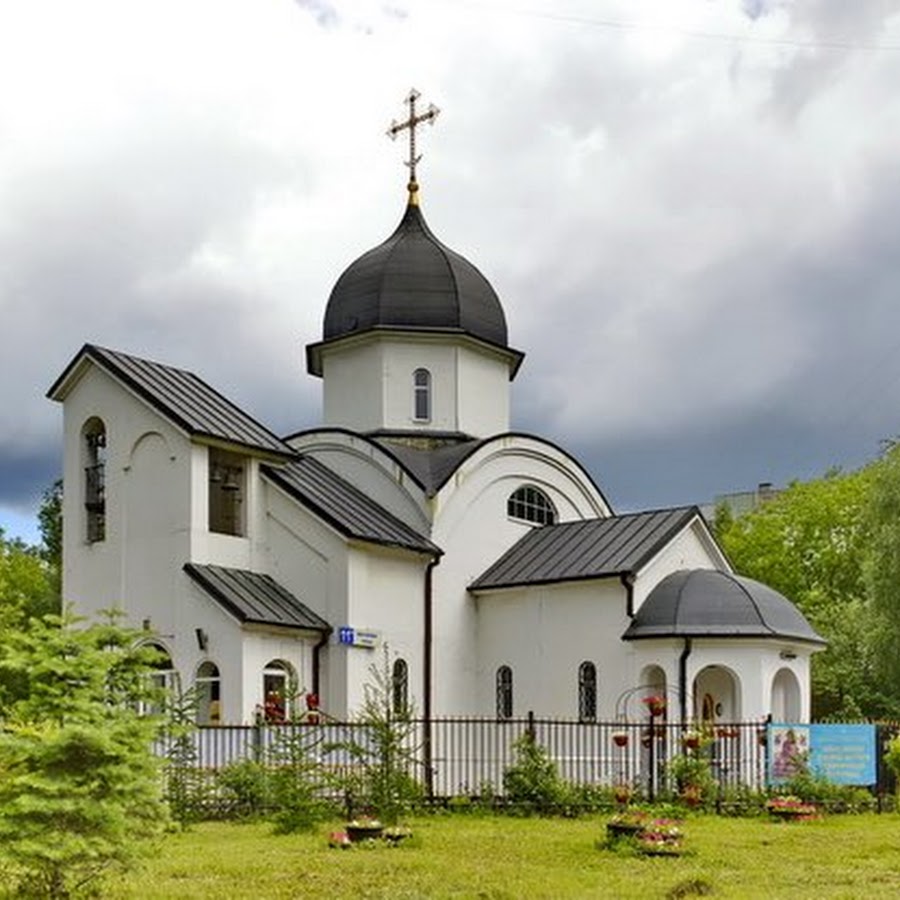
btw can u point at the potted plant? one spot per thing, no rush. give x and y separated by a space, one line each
660 837
691 739
656 705
364 829
620 738
622 794
627 824
791 809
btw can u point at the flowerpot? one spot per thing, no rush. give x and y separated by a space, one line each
691 742
656 709
620 739
358 833
616 830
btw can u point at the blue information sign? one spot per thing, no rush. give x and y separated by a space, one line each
844 754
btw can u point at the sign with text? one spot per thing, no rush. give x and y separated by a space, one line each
844 754
358 637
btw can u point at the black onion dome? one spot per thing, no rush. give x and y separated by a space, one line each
413 281
710 603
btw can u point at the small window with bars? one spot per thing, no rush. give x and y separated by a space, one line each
587 692
504 690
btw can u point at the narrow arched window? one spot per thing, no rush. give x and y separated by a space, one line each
531 504
400 687
422 395
504 692
208 688
587 692
94 433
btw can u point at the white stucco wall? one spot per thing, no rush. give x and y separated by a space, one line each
472 527
368 383
691 548
544 633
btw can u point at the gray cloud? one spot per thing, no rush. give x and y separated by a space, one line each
694 240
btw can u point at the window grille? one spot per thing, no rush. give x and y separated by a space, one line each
504 692
531 504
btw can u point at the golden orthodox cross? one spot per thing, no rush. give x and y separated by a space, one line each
414 120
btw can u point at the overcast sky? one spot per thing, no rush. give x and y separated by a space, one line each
690 211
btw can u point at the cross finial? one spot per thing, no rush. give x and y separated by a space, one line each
414 119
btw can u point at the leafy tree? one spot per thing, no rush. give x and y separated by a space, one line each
27 587
882 570
810 543
50 524
80 790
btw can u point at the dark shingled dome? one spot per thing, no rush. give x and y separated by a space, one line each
412 281
709 603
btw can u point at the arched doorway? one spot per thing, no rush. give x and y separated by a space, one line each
785 702
208 685
717 695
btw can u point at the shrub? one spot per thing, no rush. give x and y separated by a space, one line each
245 787
532 781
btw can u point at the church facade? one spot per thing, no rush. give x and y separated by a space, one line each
271 571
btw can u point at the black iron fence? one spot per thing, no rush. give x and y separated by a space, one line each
467 756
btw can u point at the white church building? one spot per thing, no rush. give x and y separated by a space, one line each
268 567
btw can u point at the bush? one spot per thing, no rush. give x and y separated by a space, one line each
532 781
246 788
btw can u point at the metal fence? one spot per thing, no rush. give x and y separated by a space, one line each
467 756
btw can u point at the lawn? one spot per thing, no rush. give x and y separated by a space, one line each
464 856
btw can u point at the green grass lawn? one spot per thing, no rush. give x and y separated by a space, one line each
485 857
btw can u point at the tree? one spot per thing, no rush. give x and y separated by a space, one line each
50 524
811 543
80 790
882 569
26 583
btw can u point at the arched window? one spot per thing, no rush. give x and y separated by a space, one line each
94 434
531 504
422 395
400 687
279 688
587 692
504 692
208 684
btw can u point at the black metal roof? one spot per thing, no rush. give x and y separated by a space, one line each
413 281
711 603
431 467
183 398
590 548
255 598
345 507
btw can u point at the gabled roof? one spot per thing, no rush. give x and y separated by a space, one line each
180 396
255 598
345 507
710 603
591 548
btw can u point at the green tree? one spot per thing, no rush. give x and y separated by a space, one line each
882 570
80 790
27 587
50 525
811 543
384 749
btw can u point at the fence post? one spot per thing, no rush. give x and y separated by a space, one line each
256 739
530 730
